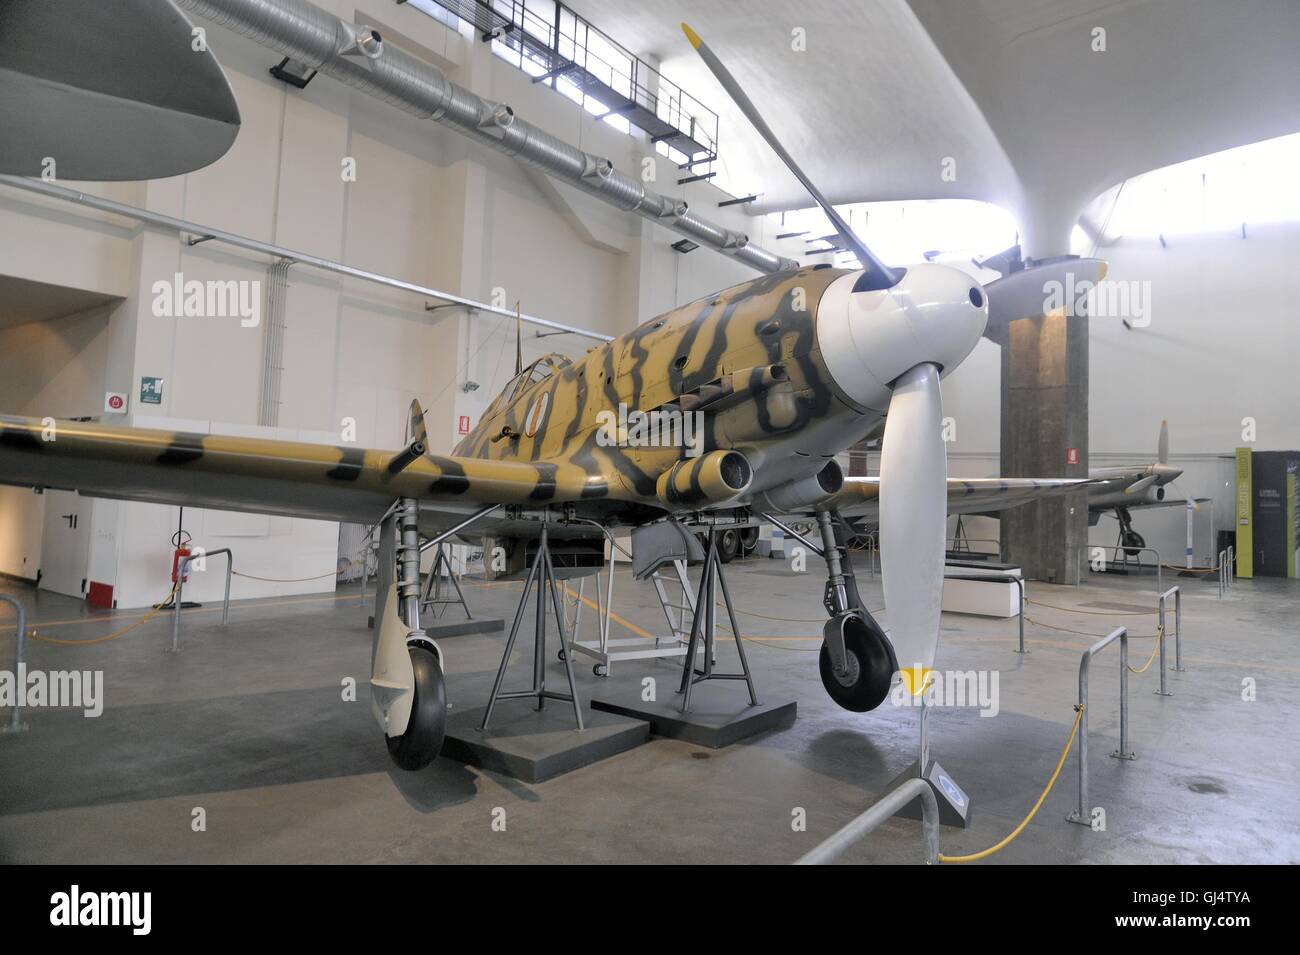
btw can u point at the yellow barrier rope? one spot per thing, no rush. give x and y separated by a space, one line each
1086 633
1160 637
1096 613
977 856
157 608
285 580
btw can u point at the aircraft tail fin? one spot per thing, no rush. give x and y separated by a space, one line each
1162 449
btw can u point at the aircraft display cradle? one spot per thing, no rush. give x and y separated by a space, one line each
436 594
704 630
541 573
603 649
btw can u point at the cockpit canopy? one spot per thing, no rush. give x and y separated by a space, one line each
539 370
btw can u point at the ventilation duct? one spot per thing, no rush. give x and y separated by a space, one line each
305 32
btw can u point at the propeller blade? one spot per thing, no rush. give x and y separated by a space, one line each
881 276
913 519
1162 452
1137 487
1030 292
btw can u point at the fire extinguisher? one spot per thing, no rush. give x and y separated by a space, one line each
181 544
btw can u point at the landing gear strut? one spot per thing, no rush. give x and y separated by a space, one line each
1129 539
857 660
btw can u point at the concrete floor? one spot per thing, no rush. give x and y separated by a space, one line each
248 722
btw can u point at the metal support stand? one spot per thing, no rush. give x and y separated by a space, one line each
953 803
542 572
436 593
704 630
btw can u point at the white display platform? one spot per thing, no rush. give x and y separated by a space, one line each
984 598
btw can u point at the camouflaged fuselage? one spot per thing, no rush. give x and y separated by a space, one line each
787 429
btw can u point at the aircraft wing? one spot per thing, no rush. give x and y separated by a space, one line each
859 496
263 476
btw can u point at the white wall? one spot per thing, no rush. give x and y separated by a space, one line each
427 206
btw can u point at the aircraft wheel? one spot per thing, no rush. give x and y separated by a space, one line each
728 545
748 541
420 744
870 661
1133 543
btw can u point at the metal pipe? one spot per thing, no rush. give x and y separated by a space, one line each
20 645
891 803
265 248
1082 814
304 32
481 512
795 534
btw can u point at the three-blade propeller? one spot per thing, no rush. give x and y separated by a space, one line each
914 462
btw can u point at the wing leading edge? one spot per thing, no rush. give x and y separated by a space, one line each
292 478
859 496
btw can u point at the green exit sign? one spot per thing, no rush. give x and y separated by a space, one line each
151 391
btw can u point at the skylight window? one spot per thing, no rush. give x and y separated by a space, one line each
903 233
1219 192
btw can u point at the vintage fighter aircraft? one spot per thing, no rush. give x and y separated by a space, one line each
1125 486
784 372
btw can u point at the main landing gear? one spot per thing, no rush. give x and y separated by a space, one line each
857 660
1129 539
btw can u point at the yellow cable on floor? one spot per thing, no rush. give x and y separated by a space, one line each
158 607
1160 636
975 857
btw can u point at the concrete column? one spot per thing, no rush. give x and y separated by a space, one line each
1045 414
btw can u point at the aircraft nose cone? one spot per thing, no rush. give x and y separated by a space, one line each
868 339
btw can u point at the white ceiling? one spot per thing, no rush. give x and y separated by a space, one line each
1011 89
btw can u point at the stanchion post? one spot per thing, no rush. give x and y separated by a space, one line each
20 645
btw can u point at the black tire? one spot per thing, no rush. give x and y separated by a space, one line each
420 744
1133 543
748 541
728 545
600 670
871 666
559 655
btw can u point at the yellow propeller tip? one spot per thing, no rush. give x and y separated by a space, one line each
916 679
692 36
1102 269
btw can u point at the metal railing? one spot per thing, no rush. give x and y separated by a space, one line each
1227 569
1160 577
956 547
1178 634
1082 815
20 643
180 590
1000 577
835 846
